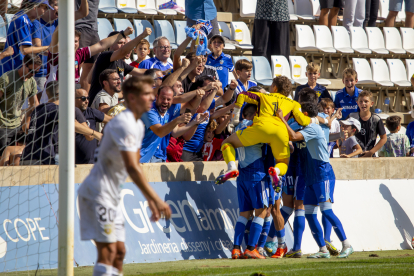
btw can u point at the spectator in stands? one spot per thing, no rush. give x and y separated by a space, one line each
398 144
114 59
371 126
192 149
19 34
354 13
395 7
349 147
347 98
88 28
271 29
85 147
142 51
15 87
164 119
157 76
108 97
371 13
329 12
211 145
81 54
162 52
243 69
7 52
222 62
42 130
328 107
313 73
13 153
42 30
202 9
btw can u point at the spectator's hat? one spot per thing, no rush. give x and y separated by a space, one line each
352 122
218 36
46 2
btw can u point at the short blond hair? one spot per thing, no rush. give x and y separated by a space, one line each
212 125
349 72
313 67
365 93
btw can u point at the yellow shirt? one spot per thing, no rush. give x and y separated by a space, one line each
268 104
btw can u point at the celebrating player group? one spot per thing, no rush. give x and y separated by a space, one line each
299 172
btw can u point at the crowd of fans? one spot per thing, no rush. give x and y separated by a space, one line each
194 98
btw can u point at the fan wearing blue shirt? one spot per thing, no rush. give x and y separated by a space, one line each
347 97
42 30
162 51
410 134
222 62
165 119
19 34
320 183
313 74
202 9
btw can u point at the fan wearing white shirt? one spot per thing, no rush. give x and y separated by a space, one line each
117 157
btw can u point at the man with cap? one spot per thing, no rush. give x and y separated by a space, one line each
222 62
19 34
349 147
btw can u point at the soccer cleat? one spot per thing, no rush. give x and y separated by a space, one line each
270 248
331 248
261 251
345 253
226 176
294 254
254 254
275 180
236 254
320 255
280 252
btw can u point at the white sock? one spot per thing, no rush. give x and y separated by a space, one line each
345 244
101 269
323 249
277 171
269 239
274 239
231 166
115 271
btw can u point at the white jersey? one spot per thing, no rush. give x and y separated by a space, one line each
104 182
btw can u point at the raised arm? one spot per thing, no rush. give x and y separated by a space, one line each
173 77
195 102
301 118
180 50
109 41
199 119
206 102
163 130
228 95
293 136
127 48
181 130
222 111
83 10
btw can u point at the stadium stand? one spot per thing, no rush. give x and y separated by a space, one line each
280 67
393 41
241 33
262 72
359 40
341 40
407 36
121 24
225 31
179 32
376 41
164 28
363 68
126 6
140 25
104 28
107 6
247 8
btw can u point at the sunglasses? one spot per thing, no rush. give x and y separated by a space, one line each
83 98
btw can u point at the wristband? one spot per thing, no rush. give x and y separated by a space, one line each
326 121
122 33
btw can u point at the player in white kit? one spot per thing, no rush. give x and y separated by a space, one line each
118 155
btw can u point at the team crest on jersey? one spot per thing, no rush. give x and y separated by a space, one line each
221 62
108 229
318 93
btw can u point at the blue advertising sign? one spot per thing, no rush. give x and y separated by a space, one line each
201 226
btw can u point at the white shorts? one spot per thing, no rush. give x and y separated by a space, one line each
101 221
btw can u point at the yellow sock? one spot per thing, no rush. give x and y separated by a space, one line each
229 153
282 168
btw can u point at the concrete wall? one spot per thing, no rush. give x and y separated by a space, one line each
345 169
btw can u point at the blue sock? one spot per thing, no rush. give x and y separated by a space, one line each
327 228
272 230
247 231
265 231
286 212
281 240
326 208
239 230
316 229
255 230
298 229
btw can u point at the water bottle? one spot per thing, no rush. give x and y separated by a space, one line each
386 108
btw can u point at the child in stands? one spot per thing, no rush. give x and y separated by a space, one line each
313 72
349 147
142 50
398 144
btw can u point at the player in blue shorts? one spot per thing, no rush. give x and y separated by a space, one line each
320 183
254 192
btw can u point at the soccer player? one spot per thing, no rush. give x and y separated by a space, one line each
320 183
267 128
253 191
118 156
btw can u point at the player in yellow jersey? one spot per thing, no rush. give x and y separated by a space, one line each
266 128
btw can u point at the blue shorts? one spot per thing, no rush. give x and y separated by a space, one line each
396 5
295 186
319 192
254 194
